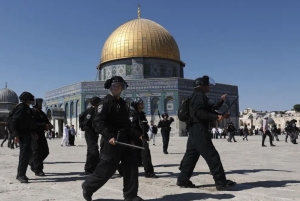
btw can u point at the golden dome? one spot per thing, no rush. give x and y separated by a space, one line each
140 38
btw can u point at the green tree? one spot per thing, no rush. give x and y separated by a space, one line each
297 107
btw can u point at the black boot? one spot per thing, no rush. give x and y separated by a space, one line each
150 175
86 195
185 184
22 179
223 186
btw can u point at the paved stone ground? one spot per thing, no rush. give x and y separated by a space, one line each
270 173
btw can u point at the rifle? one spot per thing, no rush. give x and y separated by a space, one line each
158 115
125 144
223 113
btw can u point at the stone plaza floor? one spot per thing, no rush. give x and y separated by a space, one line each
261 173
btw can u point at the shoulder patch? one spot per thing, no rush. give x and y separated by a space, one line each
100 108
88 116
131 118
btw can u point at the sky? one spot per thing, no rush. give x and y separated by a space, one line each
252 44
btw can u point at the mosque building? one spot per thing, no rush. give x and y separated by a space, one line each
146 55
8 100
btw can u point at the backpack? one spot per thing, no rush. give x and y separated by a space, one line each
183 113
81 120
9 118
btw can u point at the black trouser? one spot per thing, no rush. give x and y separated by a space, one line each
231 136
4 140
286 136
110 157
25 153
40 151
145 155
245 136
165 139
267 133
200 143
92 156
71 140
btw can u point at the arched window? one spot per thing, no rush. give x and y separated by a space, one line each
169 107
154 105
67 111
72 109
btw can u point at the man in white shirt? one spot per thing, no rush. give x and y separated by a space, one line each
152 131
65 139
213 131
266 132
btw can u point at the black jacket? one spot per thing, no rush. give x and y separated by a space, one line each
41 121
23 122
202 110
138 127
112 116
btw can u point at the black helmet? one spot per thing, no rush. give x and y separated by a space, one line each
26 96
95 101
115 79
165 114
136 101
38 102
203 81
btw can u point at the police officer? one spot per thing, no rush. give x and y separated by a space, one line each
292 130
5 136
91 137
199 140
112 118
165 126
139 128
40 149
23 127
274 132
231 130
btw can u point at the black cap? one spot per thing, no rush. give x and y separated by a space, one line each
26 96
95 100
114 79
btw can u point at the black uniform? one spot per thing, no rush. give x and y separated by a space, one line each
23 125
139 128
165 132
200 143
231 130
113 117
91 138
40 149
5 136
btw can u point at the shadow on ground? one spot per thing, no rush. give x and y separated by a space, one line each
254 171
185 197
62 162
264 184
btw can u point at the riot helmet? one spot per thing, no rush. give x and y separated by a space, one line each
26 96
165 115
203 81
136 102
115 81
95 101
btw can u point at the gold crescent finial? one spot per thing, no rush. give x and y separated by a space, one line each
139 10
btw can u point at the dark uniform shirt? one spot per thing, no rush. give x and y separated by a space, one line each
113 116
138 127
230 128
165 125
88 115
41 121
202 109
22 122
